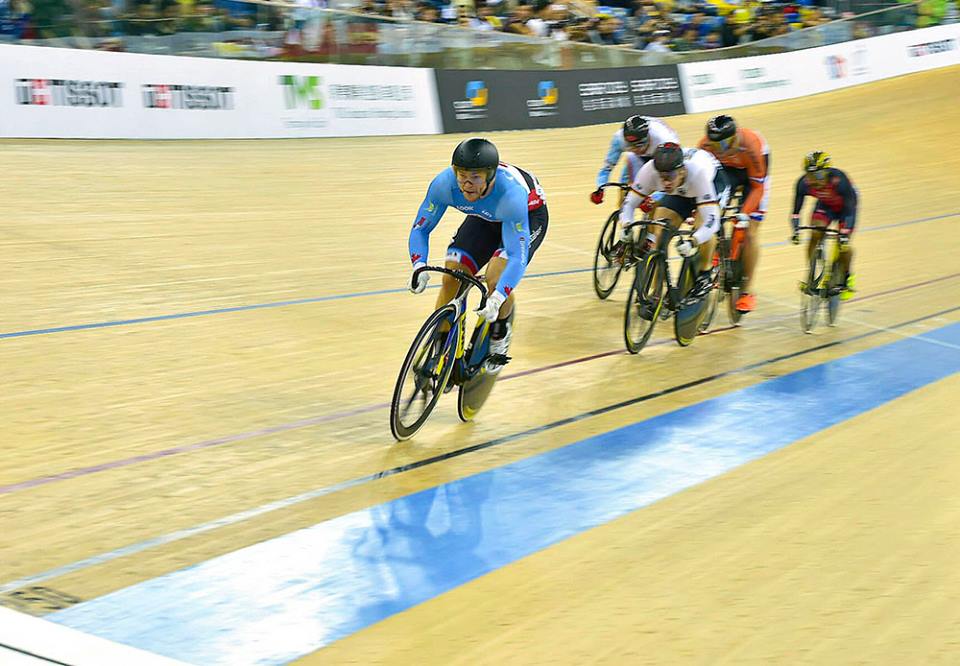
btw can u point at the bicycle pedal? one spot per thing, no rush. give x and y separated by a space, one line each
497 359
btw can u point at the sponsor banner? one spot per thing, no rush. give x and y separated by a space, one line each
479 100
724 84
72 93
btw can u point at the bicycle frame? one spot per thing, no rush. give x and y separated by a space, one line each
457 329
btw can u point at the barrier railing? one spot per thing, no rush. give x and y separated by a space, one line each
271 31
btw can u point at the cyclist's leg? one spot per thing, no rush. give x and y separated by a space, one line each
501 330
471 248
846 256
751 250
820 218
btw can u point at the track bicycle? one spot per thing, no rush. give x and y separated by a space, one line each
606 265
437 361
728 278
654 295
825 280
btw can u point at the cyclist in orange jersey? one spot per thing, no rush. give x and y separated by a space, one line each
745 157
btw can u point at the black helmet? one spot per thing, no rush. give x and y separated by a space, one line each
720 128
636 129
476 154
668 157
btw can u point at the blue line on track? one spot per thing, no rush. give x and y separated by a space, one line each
335 297
277 600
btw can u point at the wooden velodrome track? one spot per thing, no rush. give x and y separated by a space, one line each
840 548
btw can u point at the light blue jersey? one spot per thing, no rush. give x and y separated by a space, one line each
659 132
513 194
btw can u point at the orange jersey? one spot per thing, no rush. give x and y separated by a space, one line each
750 155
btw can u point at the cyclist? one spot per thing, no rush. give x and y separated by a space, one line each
745 157
836 201
505 224
692 181
638 138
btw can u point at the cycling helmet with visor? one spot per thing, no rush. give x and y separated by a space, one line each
722 132
636 131
815 164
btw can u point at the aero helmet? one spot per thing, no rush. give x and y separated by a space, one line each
636 130
720 128
668 157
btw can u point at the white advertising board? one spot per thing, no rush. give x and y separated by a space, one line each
67 93
725 84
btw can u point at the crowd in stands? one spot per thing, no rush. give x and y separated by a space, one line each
651 25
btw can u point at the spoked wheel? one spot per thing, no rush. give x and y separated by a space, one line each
810 293
423 375
644 302
606 271
837 282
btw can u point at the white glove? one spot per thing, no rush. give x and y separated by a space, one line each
743 221
418 285
687 247
491 311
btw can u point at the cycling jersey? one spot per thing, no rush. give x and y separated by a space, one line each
659 132
511 196
835 194
753 156
704 186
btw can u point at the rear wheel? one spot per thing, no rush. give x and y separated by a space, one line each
689 314
475 390
606 271
838 280
811 291
715 296
644 302
736 281
423 375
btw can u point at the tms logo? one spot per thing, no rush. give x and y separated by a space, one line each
546 102
836 66
302 91
548 92
477 93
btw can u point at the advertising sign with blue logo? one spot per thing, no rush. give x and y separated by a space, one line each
489 100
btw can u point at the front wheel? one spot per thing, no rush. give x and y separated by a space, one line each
606 271
714 297
644 302
810 292
423 375
735 273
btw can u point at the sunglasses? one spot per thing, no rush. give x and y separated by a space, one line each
724 145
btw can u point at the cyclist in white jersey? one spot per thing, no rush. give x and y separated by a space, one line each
638 138
693 181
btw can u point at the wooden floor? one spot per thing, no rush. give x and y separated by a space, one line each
181 412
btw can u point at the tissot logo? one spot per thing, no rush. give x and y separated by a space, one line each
176 96
929 48
68 92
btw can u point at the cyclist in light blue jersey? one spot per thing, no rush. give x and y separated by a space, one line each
638 138
505 224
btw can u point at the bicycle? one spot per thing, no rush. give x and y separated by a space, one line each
606 266
728 282
825 280
437 359
653 290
